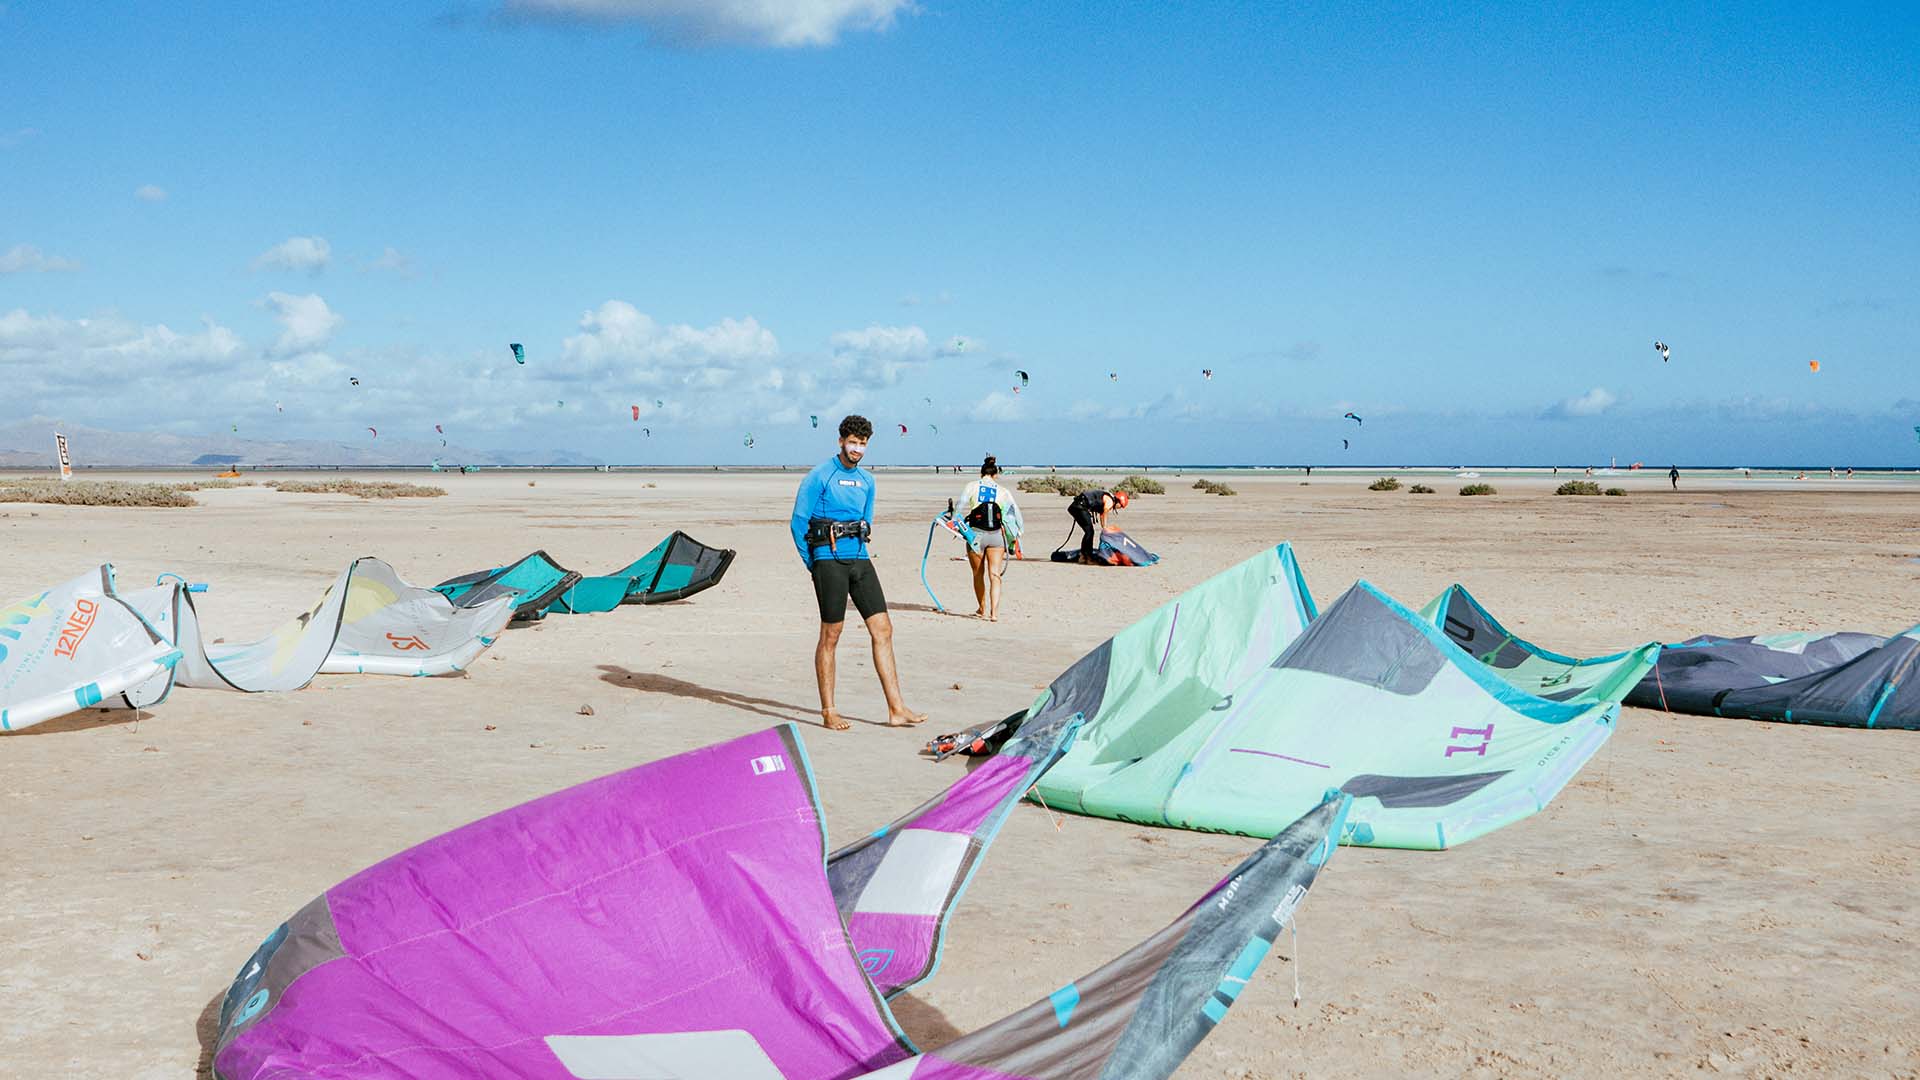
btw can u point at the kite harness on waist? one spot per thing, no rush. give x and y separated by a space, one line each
826 532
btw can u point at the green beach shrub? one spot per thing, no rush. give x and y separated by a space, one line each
93 493
1419 489
1616 491
1478 489
365 489
1058 485
1578 487
1213 487
1385 483
1141 485
213 485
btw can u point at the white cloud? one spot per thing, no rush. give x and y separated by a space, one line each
309 253
1592 403
781 24
53 363
150 193
392 260
27 259
306 320
885 354
11 139
999 407
619 342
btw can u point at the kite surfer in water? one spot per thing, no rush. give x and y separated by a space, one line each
1089 510
832 521
989 510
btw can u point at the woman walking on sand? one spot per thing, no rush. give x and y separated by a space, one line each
989 510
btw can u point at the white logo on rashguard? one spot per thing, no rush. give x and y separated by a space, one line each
772 763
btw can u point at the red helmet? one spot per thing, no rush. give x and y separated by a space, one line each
1121 498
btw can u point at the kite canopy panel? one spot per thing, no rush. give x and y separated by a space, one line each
130 650
1845 679
368 621
676 568
1226 723
534 582
1528 666
682 920
73 647
1114 549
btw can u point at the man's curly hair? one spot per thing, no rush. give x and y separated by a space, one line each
856 426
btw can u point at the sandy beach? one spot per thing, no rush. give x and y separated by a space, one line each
1707 896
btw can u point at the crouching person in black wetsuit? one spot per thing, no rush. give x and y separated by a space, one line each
832 520
1089 510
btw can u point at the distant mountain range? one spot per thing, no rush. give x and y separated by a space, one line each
29 444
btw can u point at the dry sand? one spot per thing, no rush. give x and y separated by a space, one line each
1708 895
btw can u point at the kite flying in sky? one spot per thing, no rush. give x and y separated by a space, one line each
1355 419
519 353
1661 348
1206 373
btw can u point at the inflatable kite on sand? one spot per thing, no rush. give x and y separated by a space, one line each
85 644
1846 679
1115 549
683 921
676 568
1234 707
71 648
1526 665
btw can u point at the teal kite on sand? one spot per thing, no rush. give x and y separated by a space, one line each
1528 666
676 568
1234 708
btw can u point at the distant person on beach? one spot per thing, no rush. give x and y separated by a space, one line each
1089 510
1673 477
832 521
989 510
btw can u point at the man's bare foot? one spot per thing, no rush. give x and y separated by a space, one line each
905 718
831 719
980 613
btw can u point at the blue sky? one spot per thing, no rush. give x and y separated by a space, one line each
1467 227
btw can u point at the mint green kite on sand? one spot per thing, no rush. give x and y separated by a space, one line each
1235 707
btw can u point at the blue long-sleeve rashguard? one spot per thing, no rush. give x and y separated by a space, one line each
837 493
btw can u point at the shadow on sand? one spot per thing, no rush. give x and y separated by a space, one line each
927 1026
654 683
83 721
208 1030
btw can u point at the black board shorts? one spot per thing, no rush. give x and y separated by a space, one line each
834 580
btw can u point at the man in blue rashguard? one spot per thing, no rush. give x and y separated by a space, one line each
832 520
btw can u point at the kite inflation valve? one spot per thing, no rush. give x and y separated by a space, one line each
190 586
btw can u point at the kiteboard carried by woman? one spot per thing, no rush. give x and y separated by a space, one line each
988 508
